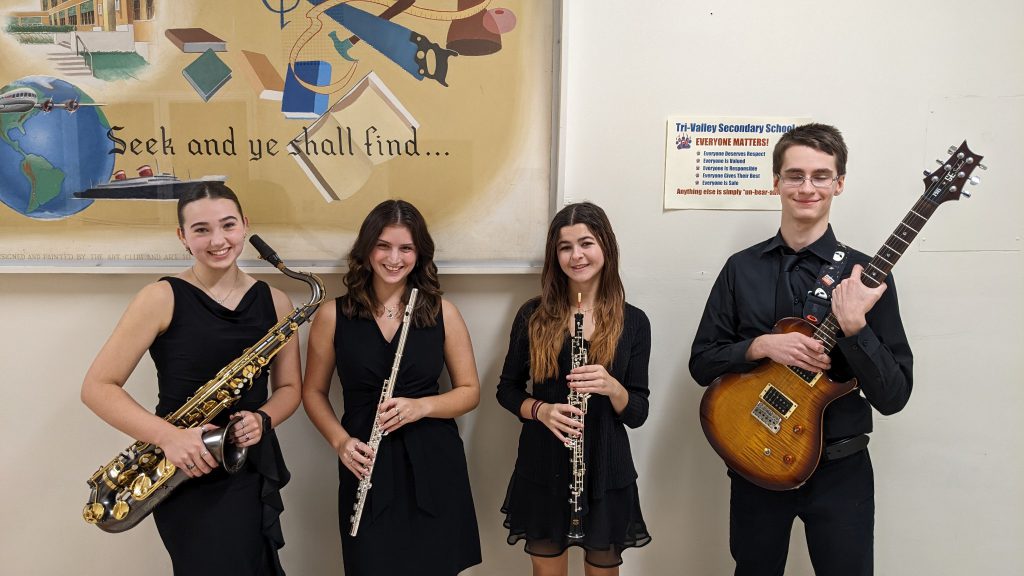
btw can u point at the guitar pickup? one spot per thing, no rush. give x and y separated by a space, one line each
808 376
777 400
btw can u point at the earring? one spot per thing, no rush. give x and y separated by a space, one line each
189 250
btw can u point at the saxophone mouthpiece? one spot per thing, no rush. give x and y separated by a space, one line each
266 252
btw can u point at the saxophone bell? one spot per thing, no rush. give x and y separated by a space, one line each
231 456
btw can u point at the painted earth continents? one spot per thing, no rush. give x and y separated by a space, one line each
45 157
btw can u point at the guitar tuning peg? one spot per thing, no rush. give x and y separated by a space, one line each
939 162
951 150
926 172
974 180
965 193
982 166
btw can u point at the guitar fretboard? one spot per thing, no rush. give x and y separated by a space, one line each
883 262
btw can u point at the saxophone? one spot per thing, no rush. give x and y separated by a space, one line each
577 458
376 434
125 490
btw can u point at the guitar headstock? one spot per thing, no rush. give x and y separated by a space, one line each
948 181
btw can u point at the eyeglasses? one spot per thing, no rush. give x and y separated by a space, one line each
796 181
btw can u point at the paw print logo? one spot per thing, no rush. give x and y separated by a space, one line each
683 141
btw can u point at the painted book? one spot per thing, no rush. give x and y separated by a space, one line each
207 74
299 102
339 151
262 76
195 40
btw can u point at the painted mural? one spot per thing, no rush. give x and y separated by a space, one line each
313 111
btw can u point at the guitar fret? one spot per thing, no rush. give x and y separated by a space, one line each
916 232
893 235
882 258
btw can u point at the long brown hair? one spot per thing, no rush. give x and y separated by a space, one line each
548 322
361 300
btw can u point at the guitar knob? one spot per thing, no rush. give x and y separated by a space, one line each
788 459
798 429
974 180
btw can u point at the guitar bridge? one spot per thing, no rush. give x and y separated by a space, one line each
773 407
765 415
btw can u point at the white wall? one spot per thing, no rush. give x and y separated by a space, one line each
902 79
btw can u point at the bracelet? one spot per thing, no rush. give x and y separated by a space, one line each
266 420
535 408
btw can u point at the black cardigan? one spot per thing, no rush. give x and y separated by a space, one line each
542 458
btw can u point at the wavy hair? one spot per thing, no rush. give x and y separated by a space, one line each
361 301
549 321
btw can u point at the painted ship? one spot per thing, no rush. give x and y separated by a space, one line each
148 185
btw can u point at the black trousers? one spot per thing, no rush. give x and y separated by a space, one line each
837 507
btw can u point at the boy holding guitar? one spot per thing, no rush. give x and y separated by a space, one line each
804 272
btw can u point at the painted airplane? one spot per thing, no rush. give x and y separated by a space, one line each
23 100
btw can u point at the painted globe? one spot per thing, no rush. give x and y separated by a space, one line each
48 156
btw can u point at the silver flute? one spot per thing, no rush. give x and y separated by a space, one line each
579 401
377 434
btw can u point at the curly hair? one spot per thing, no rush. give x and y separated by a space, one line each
361 301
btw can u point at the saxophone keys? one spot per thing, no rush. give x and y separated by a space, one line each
165 468
141 487
121 509
93 512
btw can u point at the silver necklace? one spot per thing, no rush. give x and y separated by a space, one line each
390 312
210 292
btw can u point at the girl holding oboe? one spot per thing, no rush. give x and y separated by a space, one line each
580 275
418 518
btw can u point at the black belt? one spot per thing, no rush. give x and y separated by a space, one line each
845 447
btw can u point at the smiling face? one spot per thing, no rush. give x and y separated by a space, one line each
580 257
806 204
393 256
214 231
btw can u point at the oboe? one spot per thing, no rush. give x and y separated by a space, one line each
376 434
579 401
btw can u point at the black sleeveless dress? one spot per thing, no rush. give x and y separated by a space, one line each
418 518
219 524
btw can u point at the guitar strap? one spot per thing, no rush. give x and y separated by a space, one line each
818 303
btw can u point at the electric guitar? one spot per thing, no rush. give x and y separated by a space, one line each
767 423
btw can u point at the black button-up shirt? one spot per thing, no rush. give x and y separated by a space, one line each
744 304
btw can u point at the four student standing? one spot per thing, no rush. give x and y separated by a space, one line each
419 516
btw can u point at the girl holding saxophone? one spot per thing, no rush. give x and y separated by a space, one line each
418 518
580 275
194 324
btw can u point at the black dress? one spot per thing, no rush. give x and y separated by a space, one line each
418 518
537 501
219 523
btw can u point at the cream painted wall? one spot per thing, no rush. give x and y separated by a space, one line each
903 80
